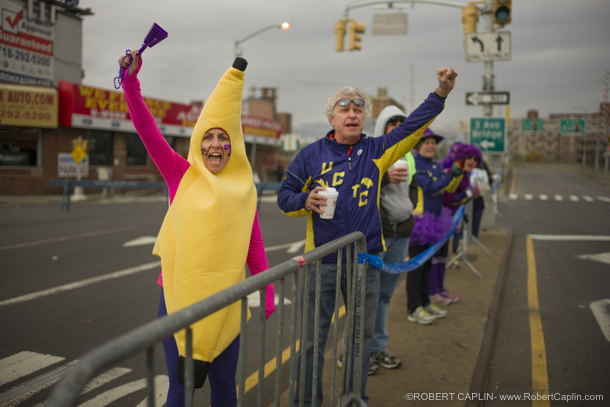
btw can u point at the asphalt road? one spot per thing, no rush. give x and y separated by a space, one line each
552 338
48 322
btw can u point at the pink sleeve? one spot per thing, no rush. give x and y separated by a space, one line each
171 165
257 262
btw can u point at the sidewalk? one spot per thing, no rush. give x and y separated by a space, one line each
452 354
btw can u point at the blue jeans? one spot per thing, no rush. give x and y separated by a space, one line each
328 282
397 250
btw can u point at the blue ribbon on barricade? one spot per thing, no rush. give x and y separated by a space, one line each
415 262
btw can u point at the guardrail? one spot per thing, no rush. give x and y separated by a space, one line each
144 339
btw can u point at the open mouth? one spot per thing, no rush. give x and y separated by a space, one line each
215 158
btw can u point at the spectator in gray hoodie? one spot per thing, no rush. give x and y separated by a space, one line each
398 197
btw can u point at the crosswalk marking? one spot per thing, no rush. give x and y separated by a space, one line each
574 198
528 197
603 198
24 363
161 386
104 378
543 197
558 198
26 390
514 196
587 198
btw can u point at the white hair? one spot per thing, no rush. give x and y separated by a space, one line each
351 92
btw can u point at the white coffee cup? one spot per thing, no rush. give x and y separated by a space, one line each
331 195
402 164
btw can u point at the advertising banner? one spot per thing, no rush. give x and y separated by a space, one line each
26 46
28 106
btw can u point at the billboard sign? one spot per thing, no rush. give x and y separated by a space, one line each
26 46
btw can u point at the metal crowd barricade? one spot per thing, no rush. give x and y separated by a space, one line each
144 338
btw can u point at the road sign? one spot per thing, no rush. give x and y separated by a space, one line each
492 98
390 24
532 125
572 126
78 154
482 47
488 133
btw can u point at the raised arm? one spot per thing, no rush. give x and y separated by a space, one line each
170 164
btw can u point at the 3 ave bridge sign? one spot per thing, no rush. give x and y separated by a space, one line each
492 98
488 133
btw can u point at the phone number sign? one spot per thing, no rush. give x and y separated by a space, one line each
28 106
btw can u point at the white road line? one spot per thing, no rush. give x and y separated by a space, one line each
543 197
141 241
601 257
23 363
587 198
290 246
26 390
104 378
565 238
603 198
558 198
513 196
71 237
574 198
161 388
161 385
601 314
82 283
528 197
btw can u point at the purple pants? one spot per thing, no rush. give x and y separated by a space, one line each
221 374
437 272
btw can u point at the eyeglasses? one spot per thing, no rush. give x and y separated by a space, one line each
396 119
346 102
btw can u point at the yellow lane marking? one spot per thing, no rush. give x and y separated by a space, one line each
513 182
540 379
252 380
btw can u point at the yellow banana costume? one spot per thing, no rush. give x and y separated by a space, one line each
203 242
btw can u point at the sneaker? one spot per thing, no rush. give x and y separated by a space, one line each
453 298
435 311
421 316
373 367
386 359
439 299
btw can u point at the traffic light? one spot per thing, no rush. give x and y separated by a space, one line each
502 12
355 29
339 35
470 18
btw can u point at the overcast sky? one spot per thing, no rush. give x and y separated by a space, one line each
560 52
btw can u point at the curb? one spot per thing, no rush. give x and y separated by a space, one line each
482 367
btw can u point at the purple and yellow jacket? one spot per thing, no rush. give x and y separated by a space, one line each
357 177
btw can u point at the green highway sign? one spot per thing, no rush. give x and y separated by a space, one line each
488 133
532 125
572 126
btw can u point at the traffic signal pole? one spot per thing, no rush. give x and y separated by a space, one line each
488 68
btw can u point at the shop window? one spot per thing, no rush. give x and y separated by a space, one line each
100 146
136 152
19 147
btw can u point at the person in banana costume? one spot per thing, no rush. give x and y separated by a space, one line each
210 231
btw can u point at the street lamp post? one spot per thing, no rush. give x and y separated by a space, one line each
283 26
237 51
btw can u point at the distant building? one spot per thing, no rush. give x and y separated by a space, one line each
562 137
381 101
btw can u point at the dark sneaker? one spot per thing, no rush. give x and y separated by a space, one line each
387 359
373 367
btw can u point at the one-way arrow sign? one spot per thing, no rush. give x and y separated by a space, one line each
492 98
